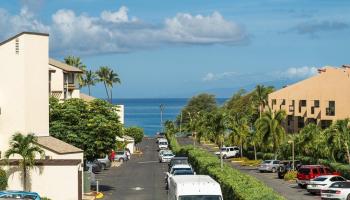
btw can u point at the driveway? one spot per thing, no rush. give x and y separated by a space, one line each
289 190
140 178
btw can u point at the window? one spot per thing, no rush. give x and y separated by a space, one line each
316 103
302 103
283 102
291 107
314 171
330 111
276 162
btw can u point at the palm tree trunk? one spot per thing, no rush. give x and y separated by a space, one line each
111 95
255 152
106 89
241 149
89 90
24 177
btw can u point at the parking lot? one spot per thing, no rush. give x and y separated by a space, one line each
142 177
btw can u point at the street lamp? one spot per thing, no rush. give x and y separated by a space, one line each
292 142
161 106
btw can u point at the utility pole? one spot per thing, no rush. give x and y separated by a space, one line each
161 106
180 122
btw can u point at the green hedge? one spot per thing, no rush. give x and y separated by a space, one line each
235 185
3 179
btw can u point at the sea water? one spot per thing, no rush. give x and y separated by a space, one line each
146 113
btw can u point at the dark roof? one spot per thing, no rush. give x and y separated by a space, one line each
64 66
56 145
22 33
45 162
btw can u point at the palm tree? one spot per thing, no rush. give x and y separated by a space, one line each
113 78
76 62
260 96
340 137
25 147
103 76
90 79
270 128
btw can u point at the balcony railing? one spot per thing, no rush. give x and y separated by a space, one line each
70 86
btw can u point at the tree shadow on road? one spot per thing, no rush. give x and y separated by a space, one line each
104 188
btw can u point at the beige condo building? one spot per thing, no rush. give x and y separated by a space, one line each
320 99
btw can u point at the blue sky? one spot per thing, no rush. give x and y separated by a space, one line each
180 48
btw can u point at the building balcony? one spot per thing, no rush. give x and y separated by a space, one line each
70 86
313 112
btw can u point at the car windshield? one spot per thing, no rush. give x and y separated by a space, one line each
163 143
177 169
305 171
183 172
267 161
320 179
223 149
120 152
168 154
178 161
340 185
200 197
18 196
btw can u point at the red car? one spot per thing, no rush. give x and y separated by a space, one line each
308 172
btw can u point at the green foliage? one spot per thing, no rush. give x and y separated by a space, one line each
91 126
290 175
135 132
3 179
234 184
45 198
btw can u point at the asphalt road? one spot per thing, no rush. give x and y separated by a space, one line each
141 178
290 191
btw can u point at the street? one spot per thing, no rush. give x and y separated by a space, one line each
141 178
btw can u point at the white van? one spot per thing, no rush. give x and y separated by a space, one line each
163 144
201 187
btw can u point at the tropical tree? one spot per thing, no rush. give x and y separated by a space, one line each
76 62
135 132
170 127
90 79
270 128
25 147
103 76
260 96
239 130
113 78
339 137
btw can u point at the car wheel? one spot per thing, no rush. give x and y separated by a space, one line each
224 157
280 176
121 160
348 197
261 171
273 170
103 166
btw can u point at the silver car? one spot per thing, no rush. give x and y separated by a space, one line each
269 166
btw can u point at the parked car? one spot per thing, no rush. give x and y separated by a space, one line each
176 169
91 175
308 172
105 162
19 195
317 184
287 165
161 152
96 166
269 166
176 161
166 156
121 156
337 190
228 152
163 144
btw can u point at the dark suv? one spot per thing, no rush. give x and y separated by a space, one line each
287 165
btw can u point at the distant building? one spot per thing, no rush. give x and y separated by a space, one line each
24 108
63 82
320 99
119 108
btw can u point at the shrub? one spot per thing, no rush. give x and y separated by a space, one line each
45 198
3 179
290 175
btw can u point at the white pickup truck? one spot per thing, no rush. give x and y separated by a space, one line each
194 187
228 152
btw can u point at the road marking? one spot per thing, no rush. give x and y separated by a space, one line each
153 161
137 188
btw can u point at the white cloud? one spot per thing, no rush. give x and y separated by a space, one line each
219 76
299 72
115 31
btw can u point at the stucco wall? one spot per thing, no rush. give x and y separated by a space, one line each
23 88
54 182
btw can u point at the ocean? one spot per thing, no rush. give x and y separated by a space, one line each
145 113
